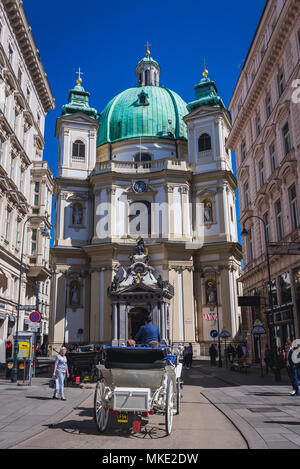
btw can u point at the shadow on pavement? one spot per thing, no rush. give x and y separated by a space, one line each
88 427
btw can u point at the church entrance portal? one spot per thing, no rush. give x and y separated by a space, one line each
136 319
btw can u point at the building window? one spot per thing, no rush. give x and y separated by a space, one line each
142 157
286 138
268 105
278 213
17 232
36 193
294 207
274 292
261 173
267 226
10 54
19 76
1 150
78 152
12 167
250 246
33 242
246 194
28 94
272 157
204 142
285 288
243 150
7 223
258 125
281 83
147 77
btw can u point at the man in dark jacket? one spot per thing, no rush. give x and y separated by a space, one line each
148 333
292 369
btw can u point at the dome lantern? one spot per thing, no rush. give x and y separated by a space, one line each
148 70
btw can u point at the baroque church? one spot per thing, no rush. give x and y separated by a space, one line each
145 218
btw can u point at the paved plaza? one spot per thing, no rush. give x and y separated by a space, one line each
226 409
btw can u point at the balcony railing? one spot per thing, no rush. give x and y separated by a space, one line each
141 166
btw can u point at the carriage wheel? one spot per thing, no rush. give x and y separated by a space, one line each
178 396
101 412
169 410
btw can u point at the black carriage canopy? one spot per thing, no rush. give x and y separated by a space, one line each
135 357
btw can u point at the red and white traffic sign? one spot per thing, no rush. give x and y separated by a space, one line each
34 316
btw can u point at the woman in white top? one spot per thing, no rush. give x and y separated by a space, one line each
60 372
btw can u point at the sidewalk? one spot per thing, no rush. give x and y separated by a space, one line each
260 408
27 410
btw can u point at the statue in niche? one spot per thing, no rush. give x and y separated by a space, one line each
208 212
75 294
141 246
211 293
77 215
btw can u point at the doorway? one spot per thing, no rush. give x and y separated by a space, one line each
136 319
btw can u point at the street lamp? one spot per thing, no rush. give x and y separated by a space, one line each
273 344
14 375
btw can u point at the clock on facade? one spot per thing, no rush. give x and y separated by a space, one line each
139 186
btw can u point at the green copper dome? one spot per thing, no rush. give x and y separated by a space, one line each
145 111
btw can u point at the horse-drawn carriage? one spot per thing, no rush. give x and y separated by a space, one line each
140 381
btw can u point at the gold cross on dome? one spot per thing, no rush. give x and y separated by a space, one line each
147 51
79 79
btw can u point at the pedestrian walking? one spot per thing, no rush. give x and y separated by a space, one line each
185 357
60 372
190 354
244 349
230 353
292 369
213 355
267 359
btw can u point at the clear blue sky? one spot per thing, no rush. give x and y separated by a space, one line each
106 40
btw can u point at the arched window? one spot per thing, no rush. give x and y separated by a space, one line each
78 151
204 142
142 98
143 157
147 77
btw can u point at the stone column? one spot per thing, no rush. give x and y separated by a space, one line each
123 324
163 320
115 324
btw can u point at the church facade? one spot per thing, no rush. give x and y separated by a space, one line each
149 170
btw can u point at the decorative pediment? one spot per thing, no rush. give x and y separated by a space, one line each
79 117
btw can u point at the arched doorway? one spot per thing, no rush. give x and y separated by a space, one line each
136 319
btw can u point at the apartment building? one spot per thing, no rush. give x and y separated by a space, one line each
266 139
25 179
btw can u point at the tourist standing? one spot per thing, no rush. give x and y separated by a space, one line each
60 372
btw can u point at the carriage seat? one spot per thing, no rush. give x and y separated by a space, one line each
135 358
